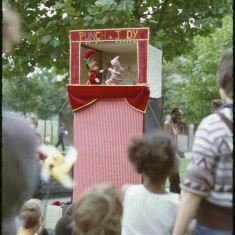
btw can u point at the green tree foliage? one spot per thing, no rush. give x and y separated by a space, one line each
21 95
46 26
34 94
198 68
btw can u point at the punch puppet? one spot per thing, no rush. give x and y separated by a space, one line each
94 74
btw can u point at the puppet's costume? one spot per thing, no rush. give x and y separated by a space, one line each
115 77
94 74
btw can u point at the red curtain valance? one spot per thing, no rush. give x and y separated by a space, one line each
81 96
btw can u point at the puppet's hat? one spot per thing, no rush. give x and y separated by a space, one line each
115 61
88 55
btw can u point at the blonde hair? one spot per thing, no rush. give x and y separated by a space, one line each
43 212
31 213
98 211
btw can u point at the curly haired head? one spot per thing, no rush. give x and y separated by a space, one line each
98 211
153 155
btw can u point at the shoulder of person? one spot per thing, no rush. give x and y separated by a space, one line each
227 112
209 121
131 188
174 196
167 123
124 189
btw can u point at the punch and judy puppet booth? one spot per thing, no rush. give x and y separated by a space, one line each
107 116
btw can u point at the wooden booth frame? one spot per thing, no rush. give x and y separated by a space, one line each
123 37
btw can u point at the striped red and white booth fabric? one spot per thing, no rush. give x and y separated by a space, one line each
101 133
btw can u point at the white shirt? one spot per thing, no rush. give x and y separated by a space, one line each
147 213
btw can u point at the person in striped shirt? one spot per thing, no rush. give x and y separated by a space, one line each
208 184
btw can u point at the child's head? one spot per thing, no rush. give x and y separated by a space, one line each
32 214
153 155
98 211
215 105
64 226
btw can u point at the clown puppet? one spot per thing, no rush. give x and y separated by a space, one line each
94 74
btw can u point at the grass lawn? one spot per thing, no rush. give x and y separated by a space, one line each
183 166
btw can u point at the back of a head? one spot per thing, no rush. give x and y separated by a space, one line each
215 105
40 204
65 226
98 211
30 214
225 73
19 164
153 154
174 110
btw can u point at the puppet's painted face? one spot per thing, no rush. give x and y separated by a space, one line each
92 65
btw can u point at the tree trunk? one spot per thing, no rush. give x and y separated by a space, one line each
45 131
51 130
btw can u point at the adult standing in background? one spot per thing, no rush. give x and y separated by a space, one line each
61 134
170 126
208 184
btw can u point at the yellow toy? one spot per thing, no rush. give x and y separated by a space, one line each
58 165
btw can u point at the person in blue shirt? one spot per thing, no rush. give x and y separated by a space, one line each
61 134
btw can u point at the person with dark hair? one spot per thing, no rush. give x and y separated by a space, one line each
148 208
61 134
98 211
215 105
208 184
170 127
65 226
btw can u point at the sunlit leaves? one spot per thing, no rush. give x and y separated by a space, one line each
46 39
46 25
199 69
